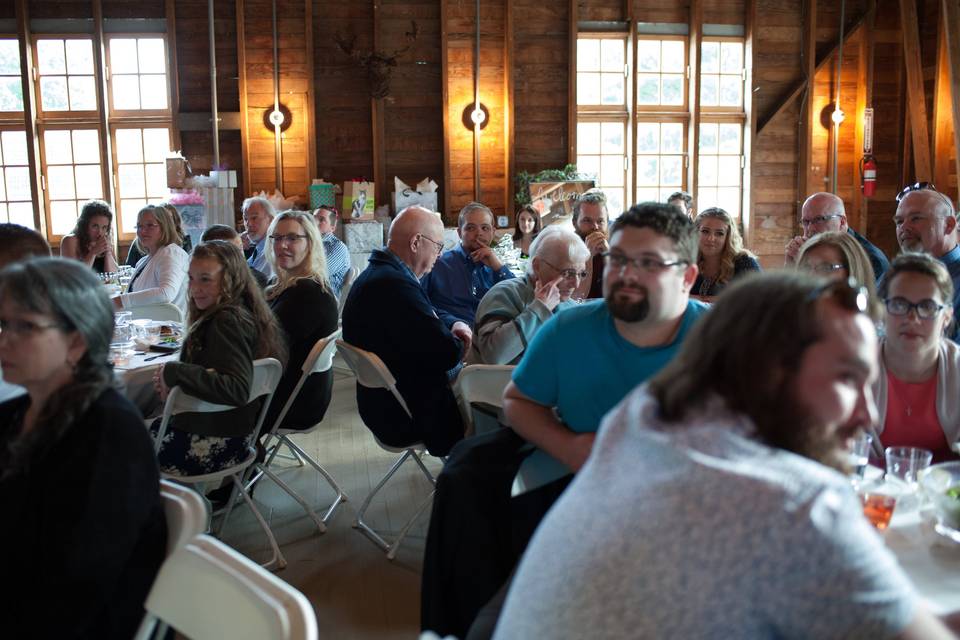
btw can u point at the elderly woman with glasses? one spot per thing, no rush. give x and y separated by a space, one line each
919 377
513 310
161 275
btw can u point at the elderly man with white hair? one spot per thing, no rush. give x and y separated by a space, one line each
514 310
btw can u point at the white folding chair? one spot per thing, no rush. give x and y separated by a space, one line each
157 311
186 512
345 288
266 375
481 383
208 591
319 360
372 372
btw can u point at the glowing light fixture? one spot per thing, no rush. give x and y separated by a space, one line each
837 116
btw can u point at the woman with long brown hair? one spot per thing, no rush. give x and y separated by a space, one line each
722 257
91 242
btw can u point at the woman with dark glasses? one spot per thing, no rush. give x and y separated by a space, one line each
916 390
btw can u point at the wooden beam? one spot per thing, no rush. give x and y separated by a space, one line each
789 96
942 139
572 83
858 219
377 107
444 71
311 106
807 117
510 156
693 95
750 125
951 18
916 98
174 74
242 87
30 115
106 158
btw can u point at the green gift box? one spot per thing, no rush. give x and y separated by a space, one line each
322 195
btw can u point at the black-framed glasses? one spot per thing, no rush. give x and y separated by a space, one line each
22 328
825 268
289 238
645 263
916 186
146 227
438 245
925 309
819 219
568 274
848 293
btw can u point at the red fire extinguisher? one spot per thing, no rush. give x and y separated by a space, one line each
868 176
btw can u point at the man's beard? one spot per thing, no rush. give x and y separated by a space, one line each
624 310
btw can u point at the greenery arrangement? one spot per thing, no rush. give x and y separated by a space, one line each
524 179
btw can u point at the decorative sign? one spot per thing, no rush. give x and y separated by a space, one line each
555 200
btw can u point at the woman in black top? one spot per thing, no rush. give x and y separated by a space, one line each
722 257
91 242
84 529
303 301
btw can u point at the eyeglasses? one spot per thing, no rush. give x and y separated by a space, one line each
825 268
147 227
819 220
438 245
289 238
916 186
650 265
847 293
925 309
21 328
568 274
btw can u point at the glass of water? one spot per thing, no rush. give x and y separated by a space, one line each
859 453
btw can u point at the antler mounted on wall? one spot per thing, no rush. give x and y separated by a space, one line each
378 65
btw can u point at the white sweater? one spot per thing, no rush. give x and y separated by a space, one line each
162 278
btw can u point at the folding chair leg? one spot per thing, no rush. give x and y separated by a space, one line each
341 496
277 558
423 468
321 524
392 550
359 523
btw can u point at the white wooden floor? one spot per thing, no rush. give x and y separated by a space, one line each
356 592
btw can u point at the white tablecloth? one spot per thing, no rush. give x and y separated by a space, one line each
135 380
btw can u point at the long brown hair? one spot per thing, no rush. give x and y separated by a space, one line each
732 244
91 209
240 291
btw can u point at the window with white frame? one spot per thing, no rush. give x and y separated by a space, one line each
11 89
67 80
138 74
141 169
74 174
15 201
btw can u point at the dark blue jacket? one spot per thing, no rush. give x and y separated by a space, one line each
388 313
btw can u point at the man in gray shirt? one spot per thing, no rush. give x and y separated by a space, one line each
711 503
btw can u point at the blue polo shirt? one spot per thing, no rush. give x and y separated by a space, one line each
877 258
951 259
457 283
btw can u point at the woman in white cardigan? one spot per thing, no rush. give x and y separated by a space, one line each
918 386
161 275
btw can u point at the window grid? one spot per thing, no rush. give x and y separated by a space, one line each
11 89
601 77
66 76
720 175
660 166
721 75
140 160
16 204
661 74
73 174
138 74
601 149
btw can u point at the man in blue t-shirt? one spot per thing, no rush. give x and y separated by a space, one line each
586 359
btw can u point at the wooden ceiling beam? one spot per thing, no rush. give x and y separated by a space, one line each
805 136
916 99
951 20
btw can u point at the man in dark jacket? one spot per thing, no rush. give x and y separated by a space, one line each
388 313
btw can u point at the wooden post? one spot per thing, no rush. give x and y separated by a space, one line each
750 126
311 107
864 99
242 82
508 111
808 117
447 122
572 85
693 95
915 93
377 107
950 18
174 73
99 48
30 115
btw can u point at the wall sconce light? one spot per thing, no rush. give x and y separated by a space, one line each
837 116
281 116
473 116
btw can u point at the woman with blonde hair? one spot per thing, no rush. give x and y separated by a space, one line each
303 301
230 326
161 275
722 256
837 255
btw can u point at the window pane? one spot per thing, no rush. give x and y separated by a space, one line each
612 138
56 146
666 192
612 87
648 171
729 199
50 57
157 181
671 140
83 93
588 137
589 165
706 198
730 138
21 213
708 91
730 91
131 180
64 216
648 195
648 55
673 56
708 172
89 183
648 90
53 93
614 202
153 92
10 57
123 55
611 170
672 89
729 172
126 92
588 88
731 57
3 186
86 146
588 54
79 56
151 56
611 55
14 147
648 137
11 94
156 145
671 171
18 184
60 183
128 213
129 145
710 57
708 138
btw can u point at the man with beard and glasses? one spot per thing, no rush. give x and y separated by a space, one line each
587 358
713 496
590 220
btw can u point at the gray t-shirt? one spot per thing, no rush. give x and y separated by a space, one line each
697 530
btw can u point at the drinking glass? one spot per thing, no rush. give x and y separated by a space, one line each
859 453
906 462
878 508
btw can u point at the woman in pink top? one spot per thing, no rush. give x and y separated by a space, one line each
918 388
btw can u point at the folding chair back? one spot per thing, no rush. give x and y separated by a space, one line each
481 383
157 311
370 370
345 288
186 514
319 359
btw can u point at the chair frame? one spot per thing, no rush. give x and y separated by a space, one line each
266 376
474 384
377 375
157 311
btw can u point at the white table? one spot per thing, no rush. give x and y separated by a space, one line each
135 379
